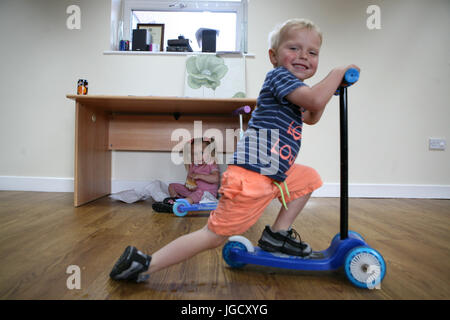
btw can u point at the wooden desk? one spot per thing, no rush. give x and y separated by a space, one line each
105 123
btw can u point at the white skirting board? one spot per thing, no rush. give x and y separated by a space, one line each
42 184
51 184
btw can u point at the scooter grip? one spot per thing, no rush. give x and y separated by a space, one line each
350 77
242 110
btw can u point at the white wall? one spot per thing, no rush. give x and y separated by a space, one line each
400 101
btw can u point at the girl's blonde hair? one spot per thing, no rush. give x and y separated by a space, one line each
280 30
208 152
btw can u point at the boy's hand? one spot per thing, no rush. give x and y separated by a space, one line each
314 99
344 70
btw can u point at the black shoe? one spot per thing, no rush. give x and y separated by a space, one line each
162 207
284 242
131 263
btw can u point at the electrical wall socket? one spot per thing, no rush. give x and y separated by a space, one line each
437 144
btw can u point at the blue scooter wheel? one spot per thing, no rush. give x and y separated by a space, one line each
226 253
176 209
365 267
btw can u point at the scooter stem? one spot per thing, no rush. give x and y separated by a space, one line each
344 162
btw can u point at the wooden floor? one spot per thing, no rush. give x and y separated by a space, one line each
41 234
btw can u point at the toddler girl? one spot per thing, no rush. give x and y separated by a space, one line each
202 175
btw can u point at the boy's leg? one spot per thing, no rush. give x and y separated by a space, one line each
285 217
301 181
185 247
281 237
130 266
133 263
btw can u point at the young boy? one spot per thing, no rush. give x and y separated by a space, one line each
251 183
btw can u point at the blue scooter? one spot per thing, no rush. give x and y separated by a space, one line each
363 265
181 207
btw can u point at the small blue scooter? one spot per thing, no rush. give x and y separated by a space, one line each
181 207
363 265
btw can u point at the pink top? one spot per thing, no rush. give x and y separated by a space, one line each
205 169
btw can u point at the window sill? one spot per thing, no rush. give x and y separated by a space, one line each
166 53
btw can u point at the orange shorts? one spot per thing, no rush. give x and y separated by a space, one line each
245 195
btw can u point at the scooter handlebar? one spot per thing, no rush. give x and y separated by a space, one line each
350 77
242 110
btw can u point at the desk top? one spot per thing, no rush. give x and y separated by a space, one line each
154 104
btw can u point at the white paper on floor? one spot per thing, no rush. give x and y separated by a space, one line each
156 190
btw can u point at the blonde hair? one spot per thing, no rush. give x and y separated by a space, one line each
280 30
208 153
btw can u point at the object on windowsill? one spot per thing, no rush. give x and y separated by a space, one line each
206 39
124 45
155 36
179 45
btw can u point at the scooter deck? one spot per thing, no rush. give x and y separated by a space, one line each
182 207
330 259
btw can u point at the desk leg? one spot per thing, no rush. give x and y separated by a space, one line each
92 157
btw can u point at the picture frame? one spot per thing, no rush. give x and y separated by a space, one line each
157 32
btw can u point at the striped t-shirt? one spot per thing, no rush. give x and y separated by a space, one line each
272 141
